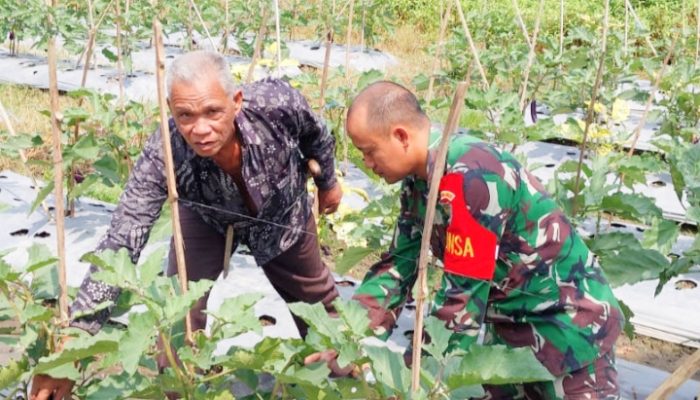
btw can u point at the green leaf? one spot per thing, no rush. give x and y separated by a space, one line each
138 338
632 206
41 196
354 315
236 315
318 319
314 374
390 370
109 54
78 349
439 337
152 266
632 265
176 308
368 77
499 365
661 236
351 256
116 267
11 371
628 329
39 257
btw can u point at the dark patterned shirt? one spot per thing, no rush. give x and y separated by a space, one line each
278 132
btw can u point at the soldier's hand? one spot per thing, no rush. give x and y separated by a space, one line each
329 200
45 387
330 357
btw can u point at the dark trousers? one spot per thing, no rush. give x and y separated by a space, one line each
298 274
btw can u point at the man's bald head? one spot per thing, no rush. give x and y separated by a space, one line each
384 104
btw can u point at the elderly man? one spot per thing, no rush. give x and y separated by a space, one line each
240 159
513 263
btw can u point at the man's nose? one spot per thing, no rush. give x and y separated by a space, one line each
201 127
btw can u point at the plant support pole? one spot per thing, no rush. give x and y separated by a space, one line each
521 23
258 46
57 172
438 52
201 21
279 39
169 171
422 282
677 378
530 58
475 52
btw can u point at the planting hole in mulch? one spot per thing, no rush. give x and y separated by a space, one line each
267 320
686 284
410 306
658 184
3 177
42 234
571 153
640 229
19 232
52 208
550 165
408 334
618 225
345 283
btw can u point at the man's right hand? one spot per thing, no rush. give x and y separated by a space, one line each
330 357
45 387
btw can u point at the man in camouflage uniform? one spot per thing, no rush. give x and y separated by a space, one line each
512 261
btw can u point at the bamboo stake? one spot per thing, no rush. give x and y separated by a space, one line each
652 95
279 39
561 28
201 21
169 171
258 45
594 96
627 28
530 58
636 19
521 23
475 52
444 21
120 67
348 34
228 246
224 38
438 170
362 31
697 33
677 378
58 173
324 74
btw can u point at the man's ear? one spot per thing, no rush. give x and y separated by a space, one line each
401 134
237 99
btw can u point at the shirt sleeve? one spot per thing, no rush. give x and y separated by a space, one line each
388 282
315 140
138 208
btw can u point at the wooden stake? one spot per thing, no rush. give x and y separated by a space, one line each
475 52
521 23
444 21
58 174
201 21
697 33
348 36
636 19
258 45
279 39
169 171
422 281
627 28
680 375
324 74
120 66
228 246
561 28
594 96
530 58
224 37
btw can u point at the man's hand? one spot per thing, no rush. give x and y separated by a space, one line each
329 200
45 387
331 359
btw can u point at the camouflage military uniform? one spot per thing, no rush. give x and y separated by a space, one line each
512 261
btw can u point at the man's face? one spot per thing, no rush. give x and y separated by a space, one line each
204 114
385 153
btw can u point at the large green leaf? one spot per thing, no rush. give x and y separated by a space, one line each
499 365
354 315
439 337
318 319
631 265
175 308
661 236
351 256
137 339
78 349
390 370
11 371
632 206
236 315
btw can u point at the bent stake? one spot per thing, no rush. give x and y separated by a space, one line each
169 171
452 120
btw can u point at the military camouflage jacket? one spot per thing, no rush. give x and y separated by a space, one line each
511 260
278 131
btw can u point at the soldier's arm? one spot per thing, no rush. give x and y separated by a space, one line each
388 282
138 208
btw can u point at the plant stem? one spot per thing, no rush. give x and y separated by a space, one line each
173 363
201 21
58 171
438 170
594 96
348 35
636 19
561 28
169 171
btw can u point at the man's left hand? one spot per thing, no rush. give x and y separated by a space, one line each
329 200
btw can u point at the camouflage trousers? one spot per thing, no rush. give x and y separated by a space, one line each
596 381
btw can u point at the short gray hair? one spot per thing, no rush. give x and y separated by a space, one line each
199 64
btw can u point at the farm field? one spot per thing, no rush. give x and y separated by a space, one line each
601 101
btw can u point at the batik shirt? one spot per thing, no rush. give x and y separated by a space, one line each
278 132
511 260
